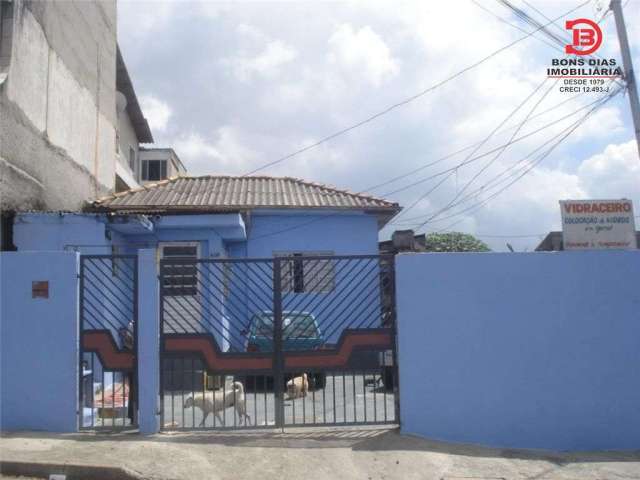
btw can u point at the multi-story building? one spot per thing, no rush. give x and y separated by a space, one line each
58 117
132 130
70 122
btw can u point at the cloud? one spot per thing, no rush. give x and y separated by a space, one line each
362 51
265 63
225 152
253 82
156 112
613 173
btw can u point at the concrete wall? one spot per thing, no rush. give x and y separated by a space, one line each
38 342
535 350
57 117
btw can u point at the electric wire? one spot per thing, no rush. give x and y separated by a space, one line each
406 100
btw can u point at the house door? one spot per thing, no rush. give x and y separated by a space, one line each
286 341
109 341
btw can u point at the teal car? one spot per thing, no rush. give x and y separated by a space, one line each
300 331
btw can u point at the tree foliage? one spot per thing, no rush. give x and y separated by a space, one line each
454 242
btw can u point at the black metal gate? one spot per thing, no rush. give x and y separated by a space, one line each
108 341
285 341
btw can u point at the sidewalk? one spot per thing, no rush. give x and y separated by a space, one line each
309 454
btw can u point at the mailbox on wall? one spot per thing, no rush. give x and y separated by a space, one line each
40 289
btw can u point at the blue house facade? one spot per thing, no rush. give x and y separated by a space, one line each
230 253
228 217
224 218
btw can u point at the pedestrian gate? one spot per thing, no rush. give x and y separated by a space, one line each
284 341
108 341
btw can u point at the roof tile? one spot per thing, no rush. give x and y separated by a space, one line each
215 193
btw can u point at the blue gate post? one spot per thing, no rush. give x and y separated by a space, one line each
148 343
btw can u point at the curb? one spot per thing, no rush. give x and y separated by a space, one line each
72 471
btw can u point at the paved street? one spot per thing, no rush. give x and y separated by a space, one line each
319 453
346 398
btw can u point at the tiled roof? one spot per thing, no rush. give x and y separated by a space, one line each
225 193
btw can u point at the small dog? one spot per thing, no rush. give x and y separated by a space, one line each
218 401
298 387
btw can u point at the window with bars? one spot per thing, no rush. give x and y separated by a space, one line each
154 170
302 275
180 278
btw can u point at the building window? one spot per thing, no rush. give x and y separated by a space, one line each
154 169
180 278
302 275
132 159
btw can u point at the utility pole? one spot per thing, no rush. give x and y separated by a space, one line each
629 74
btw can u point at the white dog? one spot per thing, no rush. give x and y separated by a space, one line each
298 386
219 400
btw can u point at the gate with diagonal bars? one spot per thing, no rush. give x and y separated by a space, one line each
108 341
278 342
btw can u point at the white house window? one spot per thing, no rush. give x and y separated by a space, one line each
300 275
154 169
181 279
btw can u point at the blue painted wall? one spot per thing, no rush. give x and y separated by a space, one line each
39 342
349 233
521 350
355 297
53 231
227 302
148 344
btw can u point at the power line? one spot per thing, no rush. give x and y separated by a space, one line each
492 182
513 25
477 157
468 147
534 23
488 164
481 144
331 215
483 188
538 161
407 100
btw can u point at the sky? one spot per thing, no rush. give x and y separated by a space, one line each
234 86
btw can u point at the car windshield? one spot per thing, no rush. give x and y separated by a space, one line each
293 326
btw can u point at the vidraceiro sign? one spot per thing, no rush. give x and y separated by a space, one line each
598 224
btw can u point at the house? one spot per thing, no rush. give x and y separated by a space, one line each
71 127
219 216
214 217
